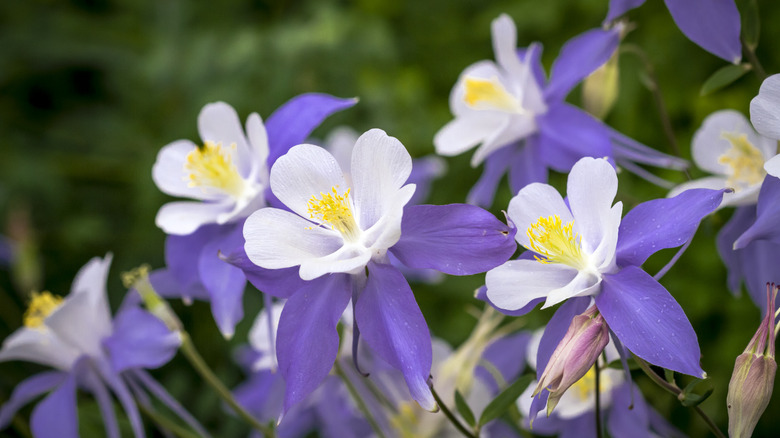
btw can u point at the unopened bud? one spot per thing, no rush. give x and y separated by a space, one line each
750 388
600 89
574 356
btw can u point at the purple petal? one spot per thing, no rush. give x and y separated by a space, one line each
579 57
159 391
496 165
307 341
767 224
740 221
140 340
280 283
627 149
663 223
583 426
566 134
535 59
391 323
457 239
526 166
507 354
620 7
628 415
181 257
292 123
105 404
712 24
338 416
29 389
124 396
56 416
262 395
649 321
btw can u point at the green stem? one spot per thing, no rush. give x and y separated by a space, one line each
361 404
450 416
750 54
598 399
166 423
676 391
189 351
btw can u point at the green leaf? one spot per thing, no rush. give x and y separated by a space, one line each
688 398
669 375
464 410
751 25
505 399
723 77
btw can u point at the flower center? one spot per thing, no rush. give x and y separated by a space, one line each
744 160
489 94
211 167
334 209
41 305
550 238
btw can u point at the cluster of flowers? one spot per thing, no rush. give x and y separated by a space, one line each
330 234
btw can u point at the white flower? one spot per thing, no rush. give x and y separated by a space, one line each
729 148
575 244
228 174
765 115
333 225
262 337
57 330
494 104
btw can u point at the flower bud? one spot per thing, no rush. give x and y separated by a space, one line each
574 356
600 89
750 388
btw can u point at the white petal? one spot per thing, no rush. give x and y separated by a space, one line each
181 218
765 108
745 196
218 122
340 143
73 323
487 70
604 255
772 166
305 171
169 175
708 144
380 167
91 281
514 128
591 189
504 35
585 283
534 201
258 147
279 239
261 339
516 283
348 259
387 230
467 131
39 346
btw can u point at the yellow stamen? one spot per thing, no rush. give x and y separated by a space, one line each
41 306
211 167
489 94
334 209
586 386
406 421
744 159
556 242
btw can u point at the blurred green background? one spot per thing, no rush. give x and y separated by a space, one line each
90 90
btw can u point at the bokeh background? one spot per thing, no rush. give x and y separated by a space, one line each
90 90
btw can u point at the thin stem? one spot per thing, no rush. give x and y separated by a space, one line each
380 396
450 416
166 423
189 351
750 53
676 391
361 404
598 399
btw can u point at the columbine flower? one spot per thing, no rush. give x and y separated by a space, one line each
228 176
713 25
581 249
335 227
727 146
77 337
522 123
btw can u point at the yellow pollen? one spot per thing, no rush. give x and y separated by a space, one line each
556 242
41 306
334 209
211 167
489 94
744 159
586 386
131 277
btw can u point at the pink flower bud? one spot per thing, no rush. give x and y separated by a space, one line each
750 388
574 356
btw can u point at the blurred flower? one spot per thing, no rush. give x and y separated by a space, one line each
750 388
77 336
521 121
333 230
713 25
581 248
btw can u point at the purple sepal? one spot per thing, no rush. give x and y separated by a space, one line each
583 426
280 283
140 340
392 324
457 239
27 390
663 223
533 55
566 134
579 57
620 7
338 417
56 415
496 165
307 340
292 123
181 256
628 415
740 221
262 395
482 296
767 224
627 149
122 393
527 166
648 321
712 24
159 391
556 329
104 401
507 354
